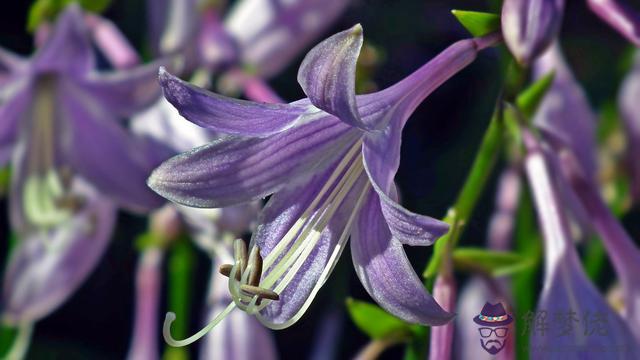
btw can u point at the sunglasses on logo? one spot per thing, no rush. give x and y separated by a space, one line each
500 332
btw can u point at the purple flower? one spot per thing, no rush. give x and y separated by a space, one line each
329 161
45 268
529 26
567 292
72 161
619 16
630 115
444 292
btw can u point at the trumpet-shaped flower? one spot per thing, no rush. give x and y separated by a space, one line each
329 161
567 291
619 16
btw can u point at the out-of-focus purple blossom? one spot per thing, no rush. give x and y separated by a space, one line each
630 114
506 204
111 42
327 336
270 33
45 268
148 292
444 292
622 250
619 16
567 290
329 179
529 26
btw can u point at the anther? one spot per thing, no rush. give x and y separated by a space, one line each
240 254
260 292
256 266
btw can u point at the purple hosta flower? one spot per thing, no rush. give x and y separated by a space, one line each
586 324
630 115
619 16
529 26
228 341
331 176
622 250
271 33
45 268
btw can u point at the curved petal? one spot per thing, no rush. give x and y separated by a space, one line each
45 269
629 108
619 16
381 156
15 97
328 76
234 170
114 161
228 115
282 211
68 49
385 271
123 92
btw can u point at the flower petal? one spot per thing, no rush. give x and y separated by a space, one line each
630 114
123 92
68 49
227 115
280 214
381 152
123 173
45 269
15 97
385 272
328 76
620 16
234 170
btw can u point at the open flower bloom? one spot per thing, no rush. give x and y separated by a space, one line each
529 26
619 16
329 161
587 322
61 118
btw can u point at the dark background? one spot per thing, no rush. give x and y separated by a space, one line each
438 146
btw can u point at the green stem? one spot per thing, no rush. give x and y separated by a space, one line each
459 214
181 265
20 346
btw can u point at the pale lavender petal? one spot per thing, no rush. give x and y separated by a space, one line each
228 115
235 170
114 161
156 20
123 92
444 292
68 49
112 42
271 33
630 114
45 269
620 16
228 340
381 152
180 25
386 273
215 46
565 116
529 26
144 343
16 98
566 287
328 76
621 248
10 64
281 212
502 221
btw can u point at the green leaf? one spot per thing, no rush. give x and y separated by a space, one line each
5 180
478 23
374 321
47 10
529 99
496 263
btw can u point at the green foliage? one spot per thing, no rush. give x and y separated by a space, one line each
374 321
529 99
478 23
5 180
495 263
47 10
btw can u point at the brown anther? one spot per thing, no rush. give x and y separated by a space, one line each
74 203
240 254
225 269
256 266
260 292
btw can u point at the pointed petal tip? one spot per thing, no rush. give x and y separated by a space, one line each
357 30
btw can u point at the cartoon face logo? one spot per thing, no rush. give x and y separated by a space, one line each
493 321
